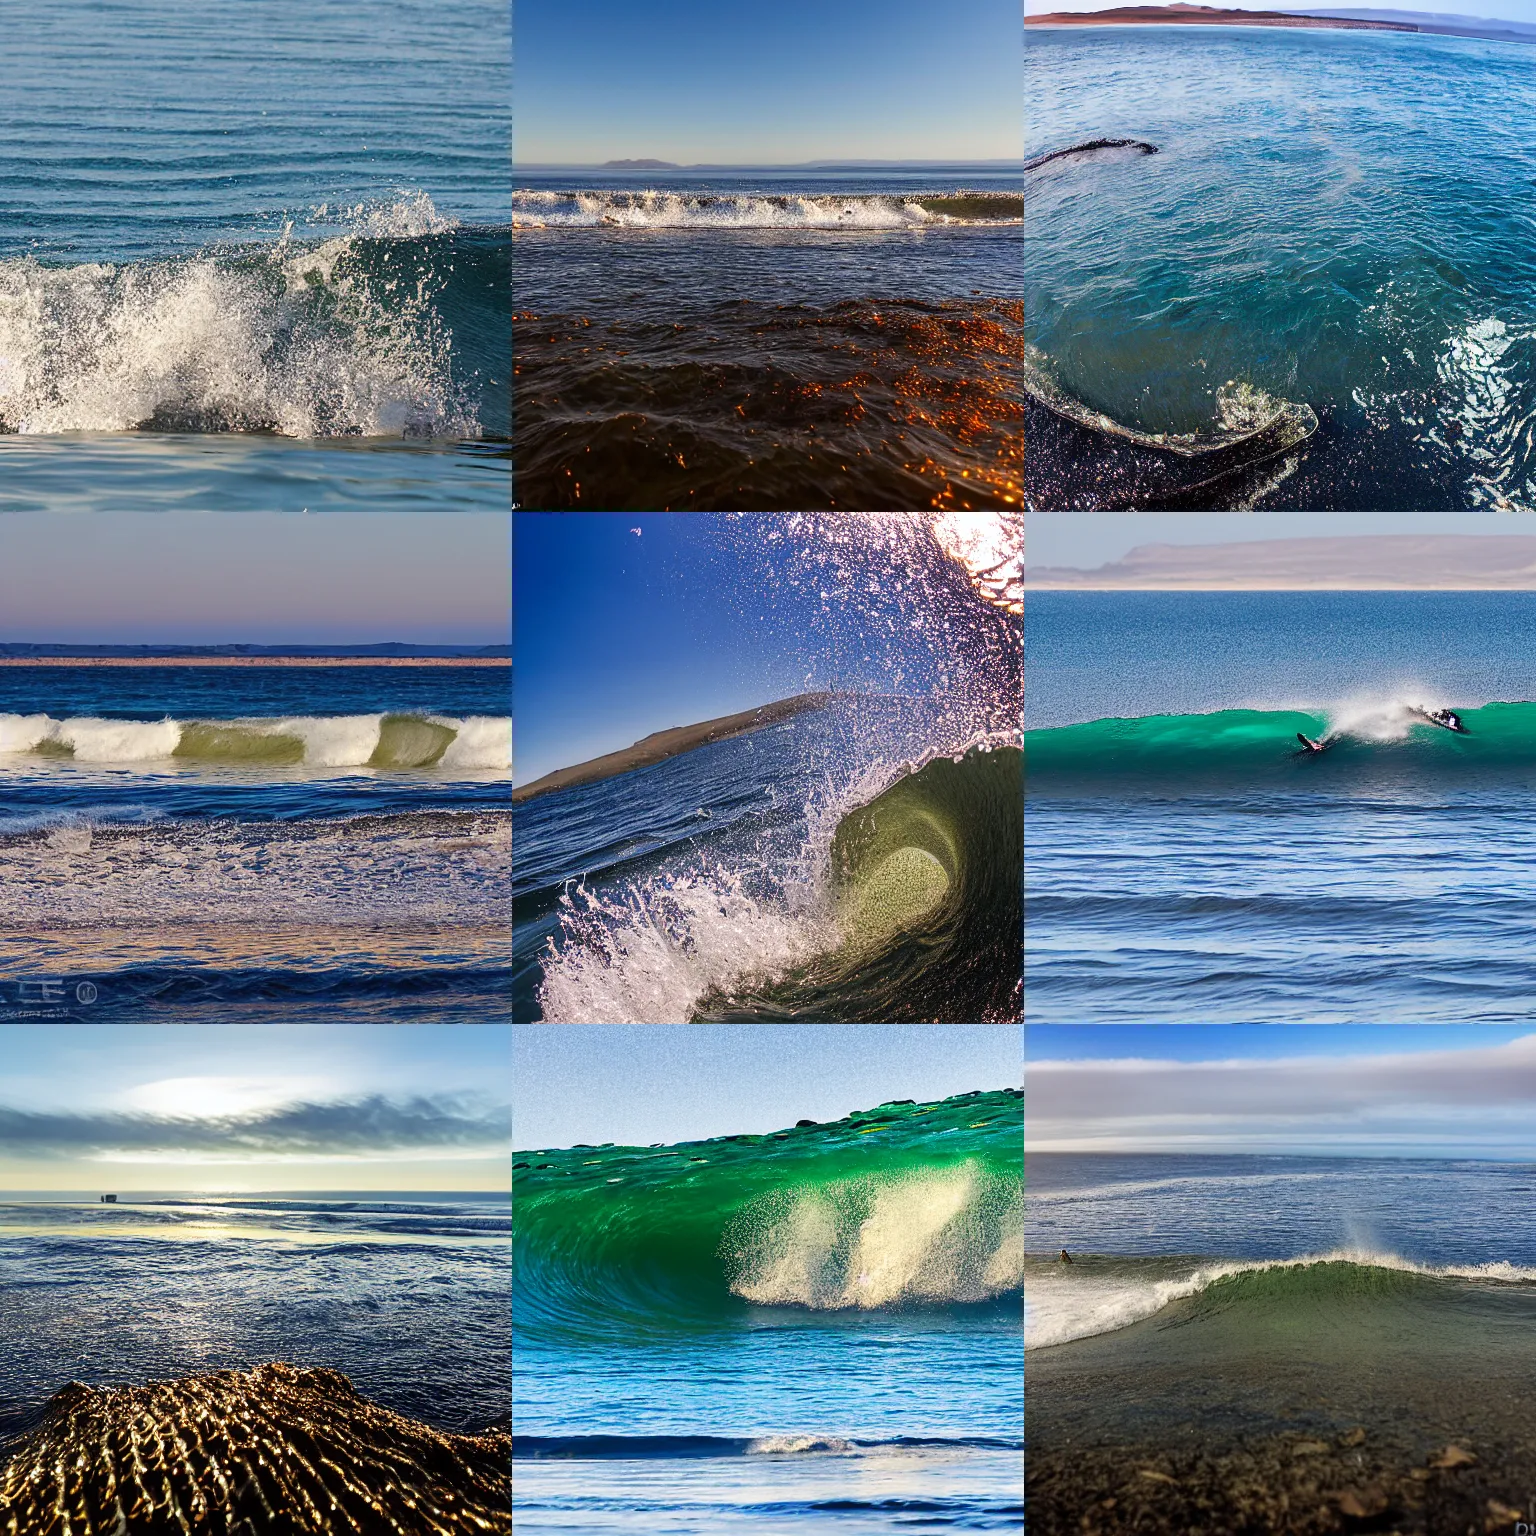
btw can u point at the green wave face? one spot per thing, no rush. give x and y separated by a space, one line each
213 741
928 881
900 1207
1259 746
407 741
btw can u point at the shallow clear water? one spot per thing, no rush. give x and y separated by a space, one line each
1334 218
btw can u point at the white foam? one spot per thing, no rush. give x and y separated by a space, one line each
938 1236
479 741
1066 1304
797 1445
118 741
679 210
298 342
649 956
330 741
24 733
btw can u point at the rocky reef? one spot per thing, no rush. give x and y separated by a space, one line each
244 1453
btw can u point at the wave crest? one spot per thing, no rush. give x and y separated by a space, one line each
649 209
299 341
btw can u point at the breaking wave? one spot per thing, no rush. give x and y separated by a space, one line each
757 210
899 1207
388 741
1103 1295
1247 746
390 330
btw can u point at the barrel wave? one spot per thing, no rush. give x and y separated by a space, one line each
1364 741
899 1208
925 888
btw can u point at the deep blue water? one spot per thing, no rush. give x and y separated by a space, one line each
409 1296
1186 862
251 253
320 842
1339 219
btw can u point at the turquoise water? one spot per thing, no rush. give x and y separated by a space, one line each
254 257
1336 219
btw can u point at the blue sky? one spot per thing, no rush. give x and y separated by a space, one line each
1388 1090
195 578
1087 540
232 1107
634 1084
620 633
702 81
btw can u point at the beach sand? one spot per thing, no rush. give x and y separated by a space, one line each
275 1449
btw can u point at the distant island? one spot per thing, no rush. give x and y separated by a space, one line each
1206 15
639 165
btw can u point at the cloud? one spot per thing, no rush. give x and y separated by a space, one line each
346 1127
1478 1097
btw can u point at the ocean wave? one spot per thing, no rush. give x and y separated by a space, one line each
1094 1296
760 210
1360 737
387 741
356 335
900 1207
904 904
669 1447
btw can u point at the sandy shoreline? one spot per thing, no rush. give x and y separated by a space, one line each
664 744
255 661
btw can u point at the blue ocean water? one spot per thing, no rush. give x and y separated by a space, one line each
315 841
1337 219
1187 861
254 257
406 1294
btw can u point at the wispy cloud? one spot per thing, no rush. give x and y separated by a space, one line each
1479 1098
342 1127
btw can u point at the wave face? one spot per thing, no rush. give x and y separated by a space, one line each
397 329
906 1206
1365 740
380 741
276 1449
649 209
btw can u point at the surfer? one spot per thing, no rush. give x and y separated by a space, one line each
1310 748
1446 719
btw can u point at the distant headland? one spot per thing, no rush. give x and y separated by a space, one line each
639 165
1207 15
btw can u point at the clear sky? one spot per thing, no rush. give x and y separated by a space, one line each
630 623
1087 540
635 1084
244 1108
203 578
1388 1090
696 81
